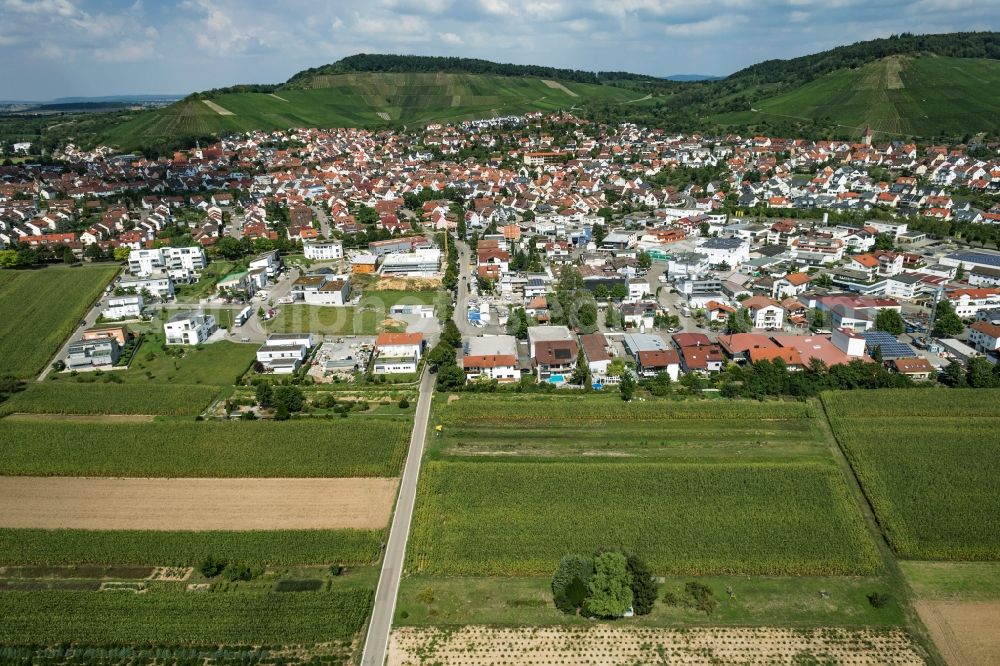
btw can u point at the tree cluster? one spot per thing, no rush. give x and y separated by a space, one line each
605 585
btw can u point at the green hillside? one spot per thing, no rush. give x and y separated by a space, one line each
923 97
360 99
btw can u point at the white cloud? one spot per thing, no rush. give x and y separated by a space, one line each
705 28
450 38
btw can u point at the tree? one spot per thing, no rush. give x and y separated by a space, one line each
517 324
569 583
610 589
609 318
587 314
884 242
281 412
450 378
121 253
581 373
289 396
443 354
644 587
817 319
953 375
229 248
889 321
979 373
619 291
946 322
645 261
601 292
627 386
265 395
451 334
8 258
739 322
68 257
960 273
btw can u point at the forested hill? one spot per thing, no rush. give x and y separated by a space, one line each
796 71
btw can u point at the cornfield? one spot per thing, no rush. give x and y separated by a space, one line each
908 402
306 448
167 548
513 519
68 398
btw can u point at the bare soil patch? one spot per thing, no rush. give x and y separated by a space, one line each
195 504
558 86
608 645
965 632
405 284
218 109
83 418
893 68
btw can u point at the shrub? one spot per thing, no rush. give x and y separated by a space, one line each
878 599
569 583
644 586
212 566
237 571
404 403
309 585
610 590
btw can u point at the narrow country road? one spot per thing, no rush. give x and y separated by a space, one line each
392 565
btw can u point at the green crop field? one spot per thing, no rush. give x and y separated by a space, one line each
559 426
362 99
357 446
166 548
110 398
40 308
180 618
926 461
923 97
504 519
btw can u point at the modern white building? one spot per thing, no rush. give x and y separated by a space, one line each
323 251
144 263
269 262
284 353
765 313
729 251
123 307
189 328
422 262
160 286
322 289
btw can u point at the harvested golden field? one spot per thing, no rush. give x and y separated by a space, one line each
606 645
92 503
965 632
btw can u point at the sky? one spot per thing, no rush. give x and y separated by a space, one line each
62 48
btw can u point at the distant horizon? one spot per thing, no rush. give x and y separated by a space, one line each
98 48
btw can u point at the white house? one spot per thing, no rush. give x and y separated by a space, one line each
638 289
270 262
491 357
397 353
323 251
188 328
765 313
729 251
985 336
123 307
322 289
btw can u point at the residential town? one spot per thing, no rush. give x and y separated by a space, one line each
693 251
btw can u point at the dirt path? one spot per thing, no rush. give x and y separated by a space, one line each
83 418
218 109
558 86
195 504
276 97
965 632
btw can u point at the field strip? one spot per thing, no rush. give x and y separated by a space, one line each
963 631
606 644
218 109
83 418
559 86
383 115
276 97
195 504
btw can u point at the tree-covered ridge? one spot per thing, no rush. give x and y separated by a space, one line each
375 62
800 70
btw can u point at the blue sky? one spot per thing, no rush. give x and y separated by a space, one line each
57 48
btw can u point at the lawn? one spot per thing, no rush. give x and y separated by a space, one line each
356 446
40 308
514 519
180 618
966 581
216 364
928 469
541 427
320 320
110 398
167 548
756 601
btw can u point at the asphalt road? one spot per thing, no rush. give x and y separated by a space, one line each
377 640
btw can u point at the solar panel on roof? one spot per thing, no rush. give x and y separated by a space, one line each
976 257
890 347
